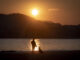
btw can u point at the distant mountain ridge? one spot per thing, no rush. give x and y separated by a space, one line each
21 26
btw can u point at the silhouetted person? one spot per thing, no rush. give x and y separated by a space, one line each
33 44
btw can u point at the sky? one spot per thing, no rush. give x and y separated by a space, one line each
66 12
45 44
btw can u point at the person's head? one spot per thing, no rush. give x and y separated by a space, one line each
33 39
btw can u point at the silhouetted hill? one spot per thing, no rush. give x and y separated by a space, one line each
22 26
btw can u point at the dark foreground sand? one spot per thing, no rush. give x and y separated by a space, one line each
49 55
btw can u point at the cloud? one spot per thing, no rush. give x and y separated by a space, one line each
53 9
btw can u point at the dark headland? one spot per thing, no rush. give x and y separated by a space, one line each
21 26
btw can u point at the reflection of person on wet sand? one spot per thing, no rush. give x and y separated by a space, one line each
33 44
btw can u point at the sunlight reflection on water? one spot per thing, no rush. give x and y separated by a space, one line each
45 44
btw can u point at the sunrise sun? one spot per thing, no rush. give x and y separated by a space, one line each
35 12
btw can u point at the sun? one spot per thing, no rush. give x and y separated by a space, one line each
35 12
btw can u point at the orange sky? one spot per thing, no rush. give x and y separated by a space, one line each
59 11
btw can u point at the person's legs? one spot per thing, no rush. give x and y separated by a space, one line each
33 48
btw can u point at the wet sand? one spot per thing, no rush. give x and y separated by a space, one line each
48 55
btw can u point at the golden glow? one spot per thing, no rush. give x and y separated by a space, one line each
38 44
35 12
36 48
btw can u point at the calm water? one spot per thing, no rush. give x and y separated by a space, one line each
46 44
